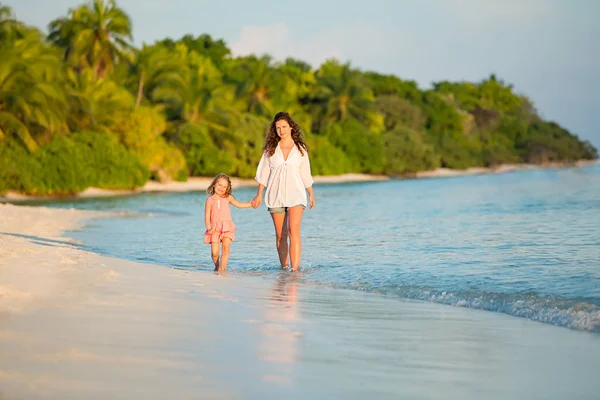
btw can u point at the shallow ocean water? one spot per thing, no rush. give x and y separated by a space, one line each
524 243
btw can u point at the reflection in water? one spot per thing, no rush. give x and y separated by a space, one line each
280 334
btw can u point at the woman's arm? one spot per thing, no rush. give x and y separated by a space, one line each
258 198
307 178
263 171
239 204
311 196
305 174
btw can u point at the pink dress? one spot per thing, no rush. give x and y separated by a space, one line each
220 220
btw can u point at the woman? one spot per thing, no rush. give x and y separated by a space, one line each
284 169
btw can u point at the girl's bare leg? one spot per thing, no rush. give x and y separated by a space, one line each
294 221
225 255
281 238
214 252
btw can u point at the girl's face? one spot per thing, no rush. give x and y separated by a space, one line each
283 128
221 187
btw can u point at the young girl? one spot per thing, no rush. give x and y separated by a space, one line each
217 217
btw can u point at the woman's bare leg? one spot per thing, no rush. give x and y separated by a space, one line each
225 255
281 237
214 252
294 221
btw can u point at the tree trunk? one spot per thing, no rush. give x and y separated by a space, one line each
140 91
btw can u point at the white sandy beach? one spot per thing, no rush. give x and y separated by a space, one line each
77 325
192 184
201 183
503 168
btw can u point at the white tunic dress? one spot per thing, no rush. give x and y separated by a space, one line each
285 180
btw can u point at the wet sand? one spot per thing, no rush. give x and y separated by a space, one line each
74 324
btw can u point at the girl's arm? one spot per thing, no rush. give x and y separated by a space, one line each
207 222
239 204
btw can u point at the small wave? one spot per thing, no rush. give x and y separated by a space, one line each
572 313
577 314
146 213
164 212
127 214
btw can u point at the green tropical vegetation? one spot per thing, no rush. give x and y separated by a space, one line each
81 106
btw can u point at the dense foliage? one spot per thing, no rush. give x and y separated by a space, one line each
70 164
81 106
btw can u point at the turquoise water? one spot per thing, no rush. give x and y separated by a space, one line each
525 243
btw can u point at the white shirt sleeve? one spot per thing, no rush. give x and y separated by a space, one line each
263 170
305 175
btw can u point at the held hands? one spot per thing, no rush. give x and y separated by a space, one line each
256 202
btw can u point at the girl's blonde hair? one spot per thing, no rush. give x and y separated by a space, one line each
211 188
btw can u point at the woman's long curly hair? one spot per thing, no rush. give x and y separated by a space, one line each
211 188
273 138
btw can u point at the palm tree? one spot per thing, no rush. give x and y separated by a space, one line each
9 26
97 104
203 99
253 78
297 79
343 93
155 71
32 95
94 35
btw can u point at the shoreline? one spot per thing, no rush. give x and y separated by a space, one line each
194 184
133 330
502 168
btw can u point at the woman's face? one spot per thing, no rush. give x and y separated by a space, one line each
283 128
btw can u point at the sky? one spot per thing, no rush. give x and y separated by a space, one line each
549 50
